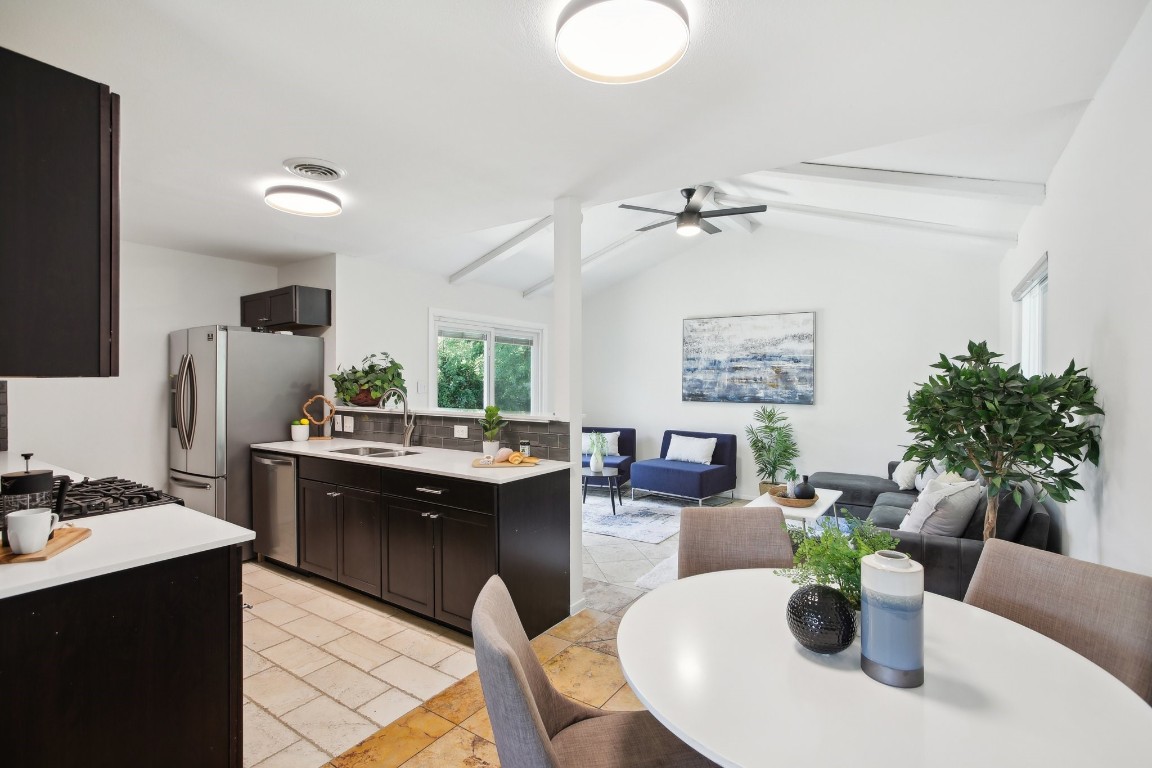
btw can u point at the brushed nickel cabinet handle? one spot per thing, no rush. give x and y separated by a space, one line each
433 491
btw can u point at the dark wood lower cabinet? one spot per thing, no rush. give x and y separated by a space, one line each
139 667
465 559
361 524
319 529
408 542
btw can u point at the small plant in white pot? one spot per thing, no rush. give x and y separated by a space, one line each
491 424
599 444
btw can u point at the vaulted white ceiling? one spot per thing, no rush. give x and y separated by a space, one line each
459 127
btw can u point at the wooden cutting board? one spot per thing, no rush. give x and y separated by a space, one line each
476 463
60 541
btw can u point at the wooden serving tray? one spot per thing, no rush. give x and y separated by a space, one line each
476 463
784 501
62 539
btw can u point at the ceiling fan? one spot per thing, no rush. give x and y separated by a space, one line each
691 220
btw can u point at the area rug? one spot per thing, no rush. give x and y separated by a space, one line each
664 572
649 519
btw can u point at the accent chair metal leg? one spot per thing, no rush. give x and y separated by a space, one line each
584 498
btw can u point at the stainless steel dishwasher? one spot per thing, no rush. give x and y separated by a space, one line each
274 507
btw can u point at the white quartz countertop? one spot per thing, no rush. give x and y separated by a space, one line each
436 461
123 540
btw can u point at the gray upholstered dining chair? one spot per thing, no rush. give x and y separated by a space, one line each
1102 613
538 727
729 538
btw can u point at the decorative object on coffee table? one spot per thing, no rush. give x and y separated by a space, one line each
773 446
787 501
599 445
1010 428
365 386
830 554
491 424
892 619
790 483
821 619
804 489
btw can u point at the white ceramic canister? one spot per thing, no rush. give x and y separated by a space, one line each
892 618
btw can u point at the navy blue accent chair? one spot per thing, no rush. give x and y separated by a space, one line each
623 462
686 479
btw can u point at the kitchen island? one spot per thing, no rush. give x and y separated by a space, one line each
125 649
424 531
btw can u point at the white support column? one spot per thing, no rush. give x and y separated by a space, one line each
566 369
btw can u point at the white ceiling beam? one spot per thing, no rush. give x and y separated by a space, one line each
584 262
745 224
953 186
504 250
1005 239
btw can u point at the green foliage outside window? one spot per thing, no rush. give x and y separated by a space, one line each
460 371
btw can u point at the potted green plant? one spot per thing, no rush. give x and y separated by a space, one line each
1008 427
773 445
367 384
599 444
491 424
830 555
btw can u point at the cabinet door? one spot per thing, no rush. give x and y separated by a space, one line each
465 559
319 540
360 545
281 307
254 310
408 537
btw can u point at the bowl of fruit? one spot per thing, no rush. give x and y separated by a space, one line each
300 429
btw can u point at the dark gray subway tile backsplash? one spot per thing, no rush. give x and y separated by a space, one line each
549 441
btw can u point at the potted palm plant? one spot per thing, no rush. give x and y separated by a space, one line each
773 445
491 424
366 385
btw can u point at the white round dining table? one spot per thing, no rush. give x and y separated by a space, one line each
712 658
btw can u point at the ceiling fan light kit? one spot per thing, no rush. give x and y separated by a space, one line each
691 220
621 41
688 224
302 201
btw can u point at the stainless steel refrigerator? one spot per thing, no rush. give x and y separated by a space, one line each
231 387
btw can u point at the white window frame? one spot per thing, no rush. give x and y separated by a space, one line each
491 327
1031 299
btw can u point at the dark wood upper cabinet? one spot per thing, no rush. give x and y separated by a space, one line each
59 222
287 309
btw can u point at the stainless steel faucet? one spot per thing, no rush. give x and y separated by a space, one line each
409 419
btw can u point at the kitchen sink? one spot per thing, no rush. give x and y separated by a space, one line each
380 453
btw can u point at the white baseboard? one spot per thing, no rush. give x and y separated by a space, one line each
577 606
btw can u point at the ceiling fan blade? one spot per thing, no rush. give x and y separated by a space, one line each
696 202
733 211
648 210
653 226
709 227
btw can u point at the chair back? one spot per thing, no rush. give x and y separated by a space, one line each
1102 613
627 440
525 710
729 538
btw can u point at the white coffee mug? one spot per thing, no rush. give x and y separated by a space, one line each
28 529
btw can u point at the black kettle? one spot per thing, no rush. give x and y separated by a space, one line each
29 489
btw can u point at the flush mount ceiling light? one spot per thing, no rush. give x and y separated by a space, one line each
302 201
621 41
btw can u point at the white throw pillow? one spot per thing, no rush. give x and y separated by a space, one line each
931 473
943 508
905 475
611 449
697 450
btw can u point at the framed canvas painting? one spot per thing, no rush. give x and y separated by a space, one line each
750 359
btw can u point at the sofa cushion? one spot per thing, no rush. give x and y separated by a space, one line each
902 499
857 490
887 516
944 508
681 478
612 462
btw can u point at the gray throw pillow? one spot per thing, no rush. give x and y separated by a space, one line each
943 508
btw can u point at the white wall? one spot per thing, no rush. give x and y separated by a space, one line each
883 315
317 273
1096 225
117 426
383 308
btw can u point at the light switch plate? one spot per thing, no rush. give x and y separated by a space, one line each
349 424
460 430
338 423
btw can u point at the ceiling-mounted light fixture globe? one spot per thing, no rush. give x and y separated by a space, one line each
688 223
621 41
302 201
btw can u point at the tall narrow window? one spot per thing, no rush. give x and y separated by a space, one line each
1032 295
480 363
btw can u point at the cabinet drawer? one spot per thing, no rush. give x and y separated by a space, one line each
451 491
362 476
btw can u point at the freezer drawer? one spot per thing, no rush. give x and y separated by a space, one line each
203 494
274 507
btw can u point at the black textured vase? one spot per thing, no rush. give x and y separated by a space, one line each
804 489
821 619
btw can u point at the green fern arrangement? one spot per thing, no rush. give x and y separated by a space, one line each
830 556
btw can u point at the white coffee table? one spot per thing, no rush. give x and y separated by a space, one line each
826 499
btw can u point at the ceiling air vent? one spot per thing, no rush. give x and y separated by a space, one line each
314 169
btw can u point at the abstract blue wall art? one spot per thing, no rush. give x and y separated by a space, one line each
750 359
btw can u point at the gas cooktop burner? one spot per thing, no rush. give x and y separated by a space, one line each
109 494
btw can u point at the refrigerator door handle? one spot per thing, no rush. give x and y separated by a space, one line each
202 486
192 408
181 382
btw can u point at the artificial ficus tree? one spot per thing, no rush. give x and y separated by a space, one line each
1008 427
